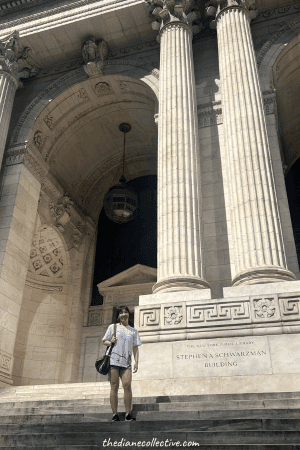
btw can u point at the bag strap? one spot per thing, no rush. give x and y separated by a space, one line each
112 345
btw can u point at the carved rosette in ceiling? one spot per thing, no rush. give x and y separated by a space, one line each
47 255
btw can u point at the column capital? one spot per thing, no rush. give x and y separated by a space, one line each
22 154
216 9
13 59
164 12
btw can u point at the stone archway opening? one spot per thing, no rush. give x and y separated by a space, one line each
77 139
286 78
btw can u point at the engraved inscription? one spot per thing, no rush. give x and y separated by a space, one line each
222 357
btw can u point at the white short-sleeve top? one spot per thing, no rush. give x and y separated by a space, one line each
127 338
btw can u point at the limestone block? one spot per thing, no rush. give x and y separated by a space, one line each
170 297
287 361
148 359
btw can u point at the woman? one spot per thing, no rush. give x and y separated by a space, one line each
126 342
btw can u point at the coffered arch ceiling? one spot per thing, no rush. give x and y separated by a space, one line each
78 135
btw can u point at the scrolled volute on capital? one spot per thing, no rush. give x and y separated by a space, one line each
166 11
214 7
14 59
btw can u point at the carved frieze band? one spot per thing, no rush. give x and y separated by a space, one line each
209 114
219 313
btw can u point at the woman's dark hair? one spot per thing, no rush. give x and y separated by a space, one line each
120 309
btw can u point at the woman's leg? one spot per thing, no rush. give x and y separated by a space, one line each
126 382
114 387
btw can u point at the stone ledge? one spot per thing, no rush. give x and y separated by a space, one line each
262 289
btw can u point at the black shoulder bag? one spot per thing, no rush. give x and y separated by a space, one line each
103 364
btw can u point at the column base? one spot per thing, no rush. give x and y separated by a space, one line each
261 275
174 284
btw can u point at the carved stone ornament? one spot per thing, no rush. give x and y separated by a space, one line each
94 55
13 59
95 317
103 88
39 140
61 211
47 254
264 308
173 315
213 8
166 11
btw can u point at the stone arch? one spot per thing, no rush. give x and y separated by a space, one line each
272 48
134 69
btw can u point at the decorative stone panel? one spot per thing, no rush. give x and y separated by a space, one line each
265 308
148 318
95 316
5 364
174 315
223 313
47 256
290 307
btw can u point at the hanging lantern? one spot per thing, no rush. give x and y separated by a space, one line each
120 202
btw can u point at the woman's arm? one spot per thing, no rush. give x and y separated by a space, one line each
136 358
112 341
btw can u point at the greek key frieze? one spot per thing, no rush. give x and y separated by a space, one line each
229 312
290 308
5 362
149 317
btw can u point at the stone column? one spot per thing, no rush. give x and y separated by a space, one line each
179 253
13 67
255 220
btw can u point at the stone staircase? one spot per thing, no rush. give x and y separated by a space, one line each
78 416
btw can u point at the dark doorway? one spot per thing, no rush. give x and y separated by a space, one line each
121 246
292 182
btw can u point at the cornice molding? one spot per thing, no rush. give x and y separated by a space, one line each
275 13
56 14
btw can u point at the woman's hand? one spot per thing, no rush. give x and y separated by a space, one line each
135 367
113 340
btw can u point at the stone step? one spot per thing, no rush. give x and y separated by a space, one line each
154 426
69 392
204 400
281 437
47 408
150 416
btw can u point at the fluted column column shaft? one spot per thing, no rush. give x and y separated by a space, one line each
180 259
256 224
8 87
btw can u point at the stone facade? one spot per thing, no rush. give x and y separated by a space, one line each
208 92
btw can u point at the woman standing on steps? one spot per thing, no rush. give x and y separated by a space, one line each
126 342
